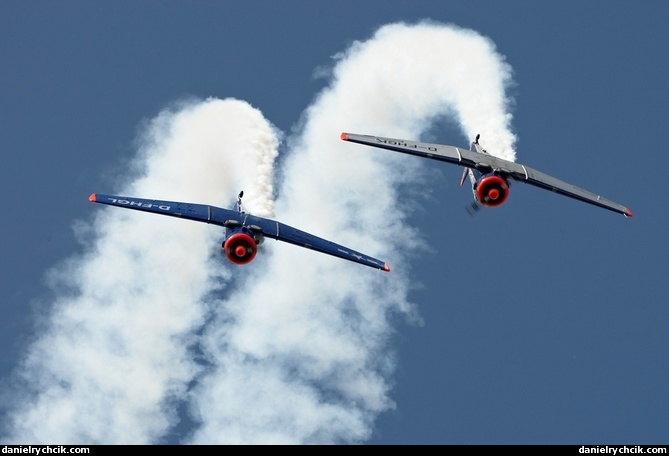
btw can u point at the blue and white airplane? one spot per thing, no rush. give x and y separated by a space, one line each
243 232
490 176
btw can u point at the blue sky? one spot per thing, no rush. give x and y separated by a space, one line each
540 322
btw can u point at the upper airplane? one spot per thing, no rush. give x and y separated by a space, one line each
244 232
490 176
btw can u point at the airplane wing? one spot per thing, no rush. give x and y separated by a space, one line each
233 219
487 163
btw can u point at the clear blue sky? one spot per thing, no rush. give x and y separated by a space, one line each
545 321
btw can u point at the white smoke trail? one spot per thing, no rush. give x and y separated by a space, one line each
298 351
113 356
301 354
406 76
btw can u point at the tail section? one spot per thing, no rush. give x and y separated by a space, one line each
476 147
238 205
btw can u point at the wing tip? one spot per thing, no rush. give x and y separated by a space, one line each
344 136
628 213
92 198
386 267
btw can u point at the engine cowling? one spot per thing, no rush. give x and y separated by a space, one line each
240 248
492 190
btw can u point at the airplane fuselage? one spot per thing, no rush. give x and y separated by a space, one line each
489 189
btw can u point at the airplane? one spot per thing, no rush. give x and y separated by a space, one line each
244 232
490 176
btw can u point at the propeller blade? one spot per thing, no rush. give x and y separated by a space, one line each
473 208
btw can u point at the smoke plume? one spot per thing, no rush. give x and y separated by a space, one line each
295 347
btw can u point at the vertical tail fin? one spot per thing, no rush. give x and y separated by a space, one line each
238 205
476 147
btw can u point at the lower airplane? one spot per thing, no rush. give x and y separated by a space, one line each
490 176
244 232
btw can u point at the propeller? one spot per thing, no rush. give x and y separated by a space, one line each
473 208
